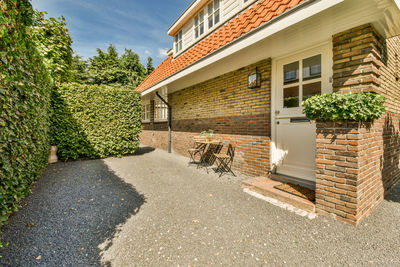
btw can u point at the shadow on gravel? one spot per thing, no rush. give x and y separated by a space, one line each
144 150
394 195
75 207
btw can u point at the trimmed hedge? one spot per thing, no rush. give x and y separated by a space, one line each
92 121
24 105
338 107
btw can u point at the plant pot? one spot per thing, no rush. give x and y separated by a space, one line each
53 155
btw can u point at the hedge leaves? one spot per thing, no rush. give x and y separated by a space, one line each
91 121
338 107
24 107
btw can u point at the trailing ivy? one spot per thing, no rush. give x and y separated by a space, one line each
338 107
24 106
92 121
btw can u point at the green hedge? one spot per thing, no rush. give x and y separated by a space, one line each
24 105
91 121
338 107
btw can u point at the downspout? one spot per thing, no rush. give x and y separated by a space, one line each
169 121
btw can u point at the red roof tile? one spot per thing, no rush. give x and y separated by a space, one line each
257 15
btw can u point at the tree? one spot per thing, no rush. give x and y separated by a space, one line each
107 67
53 41
149 66
134 71
80 68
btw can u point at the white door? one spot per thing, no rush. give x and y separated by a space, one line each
297 78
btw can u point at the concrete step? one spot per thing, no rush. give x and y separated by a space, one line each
265 187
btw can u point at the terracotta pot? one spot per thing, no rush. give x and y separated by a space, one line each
53 155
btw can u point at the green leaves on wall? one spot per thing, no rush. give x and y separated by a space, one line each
91 121
24 106
338 107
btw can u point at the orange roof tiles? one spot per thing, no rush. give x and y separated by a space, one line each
257 15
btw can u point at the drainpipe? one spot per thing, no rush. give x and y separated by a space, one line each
169 121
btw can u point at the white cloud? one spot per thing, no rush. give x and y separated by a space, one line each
162 52
147 52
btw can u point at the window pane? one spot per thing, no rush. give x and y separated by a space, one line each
176 48
210 9
176 38
180 35
201 16
201 28
312 67
210 22
180 45
291 97
216 15
311 89
196 31
291 73
196 21
216 4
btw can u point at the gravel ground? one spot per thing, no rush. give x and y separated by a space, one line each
153 210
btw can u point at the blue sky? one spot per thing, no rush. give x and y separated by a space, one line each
140 25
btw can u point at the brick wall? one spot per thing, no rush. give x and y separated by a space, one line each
357 164
356 60
239 115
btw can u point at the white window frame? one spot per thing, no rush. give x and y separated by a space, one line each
146 111
200 23
213 9
326 72
178 42
160 108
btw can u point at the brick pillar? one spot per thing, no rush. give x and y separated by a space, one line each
349 183
349 155
357 59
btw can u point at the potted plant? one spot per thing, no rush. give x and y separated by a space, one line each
207 134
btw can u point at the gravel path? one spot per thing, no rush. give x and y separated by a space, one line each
153 210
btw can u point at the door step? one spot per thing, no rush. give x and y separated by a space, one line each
266 187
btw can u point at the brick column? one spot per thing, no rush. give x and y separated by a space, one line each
350 155
349 183
357 59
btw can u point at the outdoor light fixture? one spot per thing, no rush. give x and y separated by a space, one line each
255 79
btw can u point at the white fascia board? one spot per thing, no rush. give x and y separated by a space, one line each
188 13
305 10
397 3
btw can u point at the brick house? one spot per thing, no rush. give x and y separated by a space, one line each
296 48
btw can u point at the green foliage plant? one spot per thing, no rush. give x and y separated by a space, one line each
360 107
95 121
208 134
24 106
52 39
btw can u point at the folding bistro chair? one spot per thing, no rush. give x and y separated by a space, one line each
208 157
198 149
225 161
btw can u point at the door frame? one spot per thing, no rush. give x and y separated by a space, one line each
325 48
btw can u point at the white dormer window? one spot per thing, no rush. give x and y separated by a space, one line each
178 42
213 13
199 24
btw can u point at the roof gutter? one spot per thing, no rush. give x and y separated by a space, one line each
254 31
